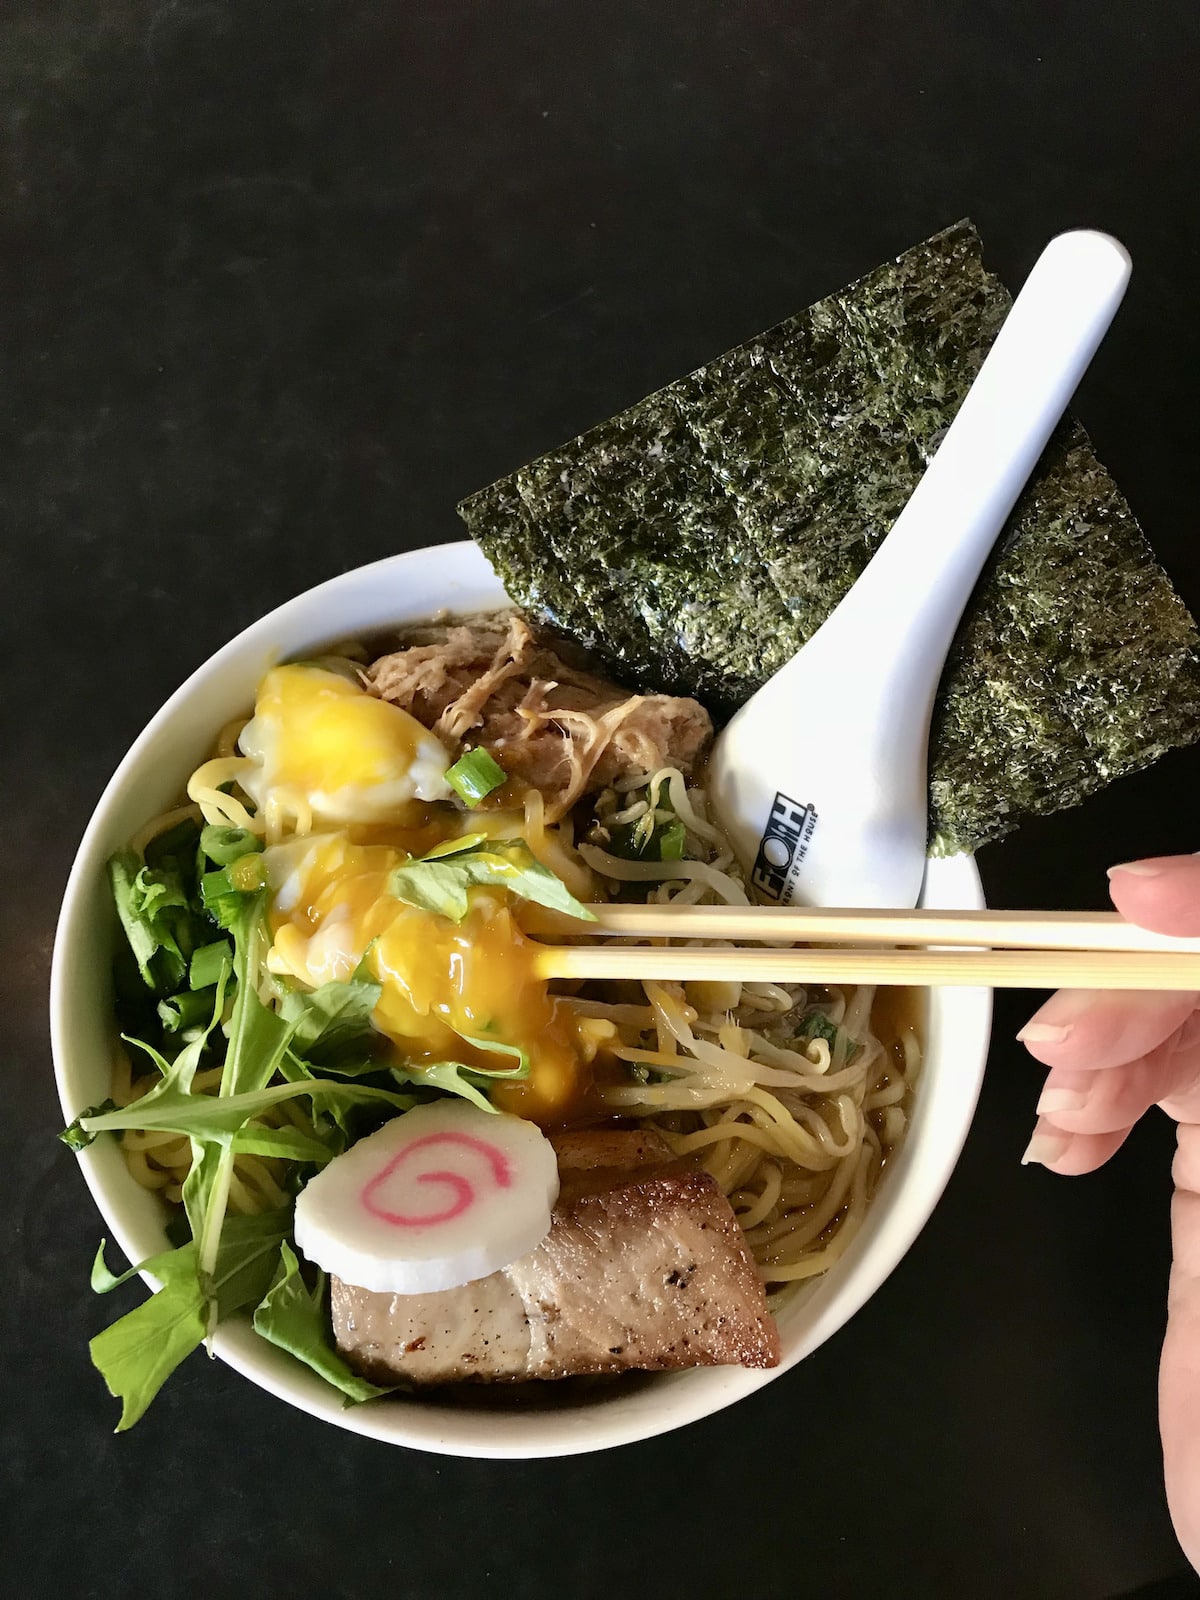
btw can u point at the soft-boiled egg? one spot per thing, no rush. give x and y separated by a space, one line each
346 785
320 743
444 984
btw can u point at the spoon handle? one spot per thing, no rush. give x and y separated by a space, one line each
929 562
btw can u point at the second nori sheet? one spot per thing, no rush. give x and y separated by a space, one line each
694 542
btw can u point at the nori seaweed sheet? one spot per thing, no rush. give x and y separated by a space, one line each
694 543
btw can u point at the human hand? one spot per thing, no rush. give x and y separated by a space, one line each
1112 1055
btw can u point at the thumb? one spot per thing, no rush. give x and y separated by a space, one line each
1179 1374
1162 894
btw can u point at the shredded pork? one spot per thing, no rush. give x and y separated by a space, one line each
551 726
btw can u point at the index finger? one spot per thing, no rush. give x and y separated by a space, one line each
1085 1029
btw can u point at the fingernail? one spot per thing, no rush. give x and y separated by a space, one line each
1044 1032
1061 1100
1138 869
1044 1148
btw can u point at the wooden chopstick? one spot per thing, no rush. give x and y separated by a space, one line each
994 969
1002 949
1014 930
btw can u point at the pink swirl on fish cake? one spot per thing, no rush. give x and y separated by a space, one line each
464 1191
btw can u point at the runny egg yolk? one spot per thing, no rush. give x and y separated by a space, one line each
440 980
322 744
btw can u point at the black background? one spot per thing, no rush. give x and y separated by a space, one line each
283 280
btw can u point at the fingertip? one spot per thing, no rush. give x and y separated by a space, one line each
1155 867
1085 1030
1047 1146
1161 893
1044 1032
1070 1155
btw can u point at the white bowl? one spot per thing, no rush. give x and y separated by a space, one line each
408 588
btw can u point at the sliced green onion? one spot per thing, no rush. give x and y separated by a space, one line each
475 775
213 885
187 1010
244 875
665 841
671 842
226 845
208 963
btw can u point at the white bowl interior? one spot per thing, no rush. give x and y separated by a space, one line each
408 588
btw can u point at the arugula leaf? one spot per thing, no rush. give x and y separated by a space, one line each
198 1185
178 1074
439 881
257 1040
497 1047
258 1036
285 1144
74 1137
333 1017
249 1248
292 1316
163 1266
455 1076
451 1077
247 1241
219 1118
206 1188
138 1352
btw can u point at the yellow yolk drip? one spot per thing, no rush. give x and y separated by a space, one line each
440 979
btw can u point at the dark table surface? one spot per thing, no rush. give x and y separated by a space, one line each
282 280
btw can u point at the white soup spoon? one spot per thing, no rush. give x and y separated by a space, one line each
821 779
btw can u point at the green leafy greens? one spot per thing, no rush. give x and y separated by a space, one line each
292 1316
439 881
155 913
194 914
136 1354
298 1079
334 1018
455 1076
816 1025
663 840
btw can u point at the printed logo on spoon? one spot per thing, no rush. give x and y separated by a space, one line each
783 846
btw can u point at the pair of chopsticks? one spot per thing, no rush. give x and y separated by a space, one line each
991 949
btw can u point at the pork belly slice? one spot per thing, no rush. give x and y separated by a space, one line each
644 1267
618 1149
